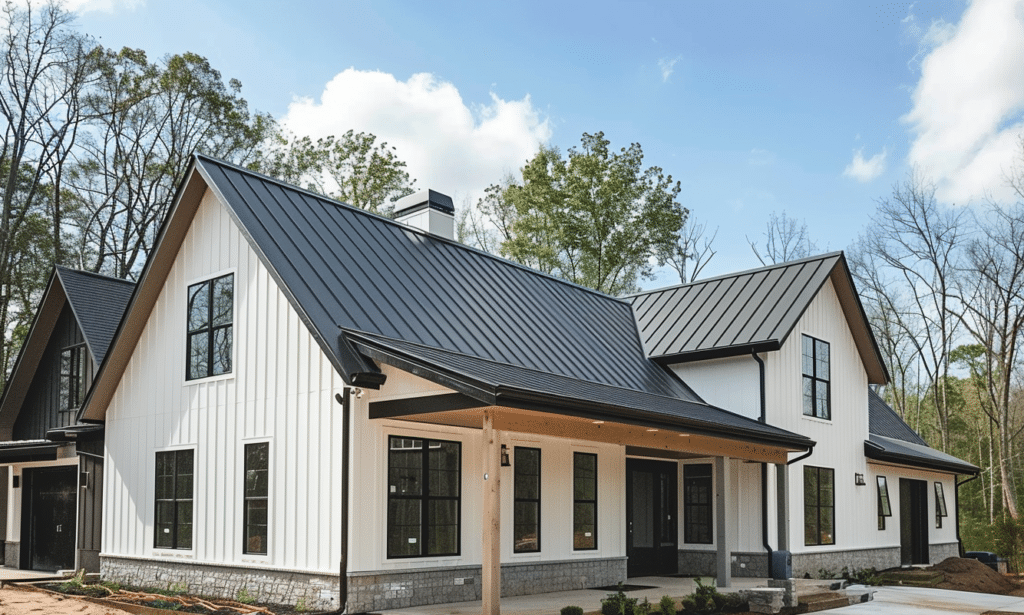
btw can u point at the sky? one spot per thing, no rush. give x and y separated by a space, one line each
815 108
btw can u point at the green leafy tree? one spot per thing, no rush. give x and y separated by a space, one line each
353 168
595 217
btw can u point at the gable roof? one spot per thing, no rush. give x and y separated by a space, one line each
97 301
750 311
345 270
891 439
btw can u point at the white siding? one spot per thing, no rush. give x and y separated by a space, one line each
744 507
890 536
732 384
281 390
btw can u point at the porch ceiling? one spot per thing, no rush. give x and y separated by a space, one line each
653 441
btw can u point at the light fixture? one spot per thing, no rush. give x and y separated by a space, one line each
858 479
504 457
599 422
359 392
652 430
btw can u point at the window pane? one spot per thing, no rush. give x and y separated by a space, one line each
223 302
222 351
527 473
404 523
256 469
198 355
821 359
811 525
940 500
884 507
184 522
198 306
810 486
826 516
444 469
807 361
443 527
825 487
585 476
821 401
525 533
256 526
405 469
584 535
808 396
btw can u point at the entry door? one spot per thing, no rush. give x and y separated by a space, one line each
913 521
48 523
651 524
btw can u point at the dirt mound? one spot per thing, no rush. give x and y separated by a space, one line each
970 575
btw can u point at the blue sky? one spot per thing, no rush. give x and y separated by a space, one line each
813 108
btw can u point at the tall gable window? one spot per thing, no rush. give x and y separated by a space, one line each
819 506
884 506
174 474
526 512
72 377
210 324
424 484
940 504
816 378
697 524
584 501
257 471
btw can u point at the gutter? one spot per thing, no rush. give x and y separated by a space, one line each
956 502
346 410
764 475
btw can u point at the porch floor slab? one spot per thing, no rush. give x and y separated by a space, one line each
588 599
16 574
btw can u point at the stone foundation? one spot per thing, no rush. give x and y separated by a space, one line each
12 554
367 591
703 564
833 561
937 553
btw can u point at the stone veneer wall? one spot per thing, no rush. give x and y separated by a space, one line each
937 553
703 563
811 563
367 591
12 554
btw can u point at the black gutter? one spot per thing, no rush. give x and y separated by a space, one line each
956 502
346 407
876 452
764 474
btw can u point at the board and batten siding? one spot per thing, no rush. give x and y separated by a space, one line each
281 390
890 536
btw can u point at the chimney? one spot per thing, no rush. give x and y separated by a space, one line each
429 211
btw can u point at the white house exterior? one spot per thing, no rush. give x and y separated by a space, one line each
306 402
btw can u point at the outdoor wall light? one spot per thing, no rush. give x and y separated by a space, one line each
504 457
858 479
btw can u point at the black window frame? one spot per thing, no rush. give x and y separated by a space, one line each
251 497
698 475
940 504
812 502
518 499
177 502
210 330
884 503
578 501
815 379
425 497
71 380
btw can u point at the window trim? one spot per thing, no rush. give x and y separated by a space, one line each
940 504
246 499
516 499
818 506
234 321
813 377
423 497
575 500
174 500
710 504
884 503
74 401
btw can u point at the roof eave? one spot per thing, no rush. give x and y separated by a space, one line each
721 352
874 451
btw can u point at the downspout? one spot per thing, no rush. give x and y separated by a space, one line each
956 502
764 474
346 408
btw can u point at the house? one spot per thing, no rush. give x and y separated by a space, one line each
308 402
51 468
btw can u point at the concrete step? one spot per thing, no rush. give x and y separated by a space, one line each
823 601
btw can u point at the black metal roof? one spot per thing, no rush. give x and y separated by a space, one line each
497 383
98 302
884 421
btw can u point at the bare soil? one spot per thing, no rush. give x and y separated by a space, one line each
16 600
970 575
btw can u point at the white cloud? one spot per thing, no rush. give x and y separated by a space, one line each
968 106
865 169
667 66
448 145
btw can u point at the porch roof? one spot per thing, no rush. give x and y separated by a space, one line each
902 452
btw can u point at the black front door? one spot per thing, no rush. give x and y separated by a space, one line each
651 524
913 521
48 521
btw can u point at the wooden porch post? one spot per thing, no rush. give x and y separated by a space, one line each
491 556
723 488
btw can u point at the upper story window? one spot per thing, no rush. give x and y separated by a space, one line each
210 324
817 399
72 378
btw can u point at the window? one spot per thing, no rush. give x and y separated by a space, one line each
816 378
72 378
210 315
884 507
940 505
526 512
819 506
257 471
584 501
697 496
174 500
424 483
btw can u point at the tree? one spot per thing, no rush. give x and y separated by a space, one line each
693 251
354 168
595 218
785 240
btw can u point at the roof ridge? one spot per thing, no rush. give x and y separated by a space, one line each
101 276
452 242
737 274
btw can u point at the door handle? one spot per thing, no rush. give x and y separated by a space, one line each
58 528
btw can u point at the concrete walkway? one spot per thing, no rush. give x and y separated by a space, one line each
14 574
925 601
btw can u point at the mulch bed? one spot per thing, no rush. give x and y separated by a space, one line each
181 603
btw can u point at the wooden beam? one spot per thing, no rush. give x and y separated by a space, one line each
491 564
